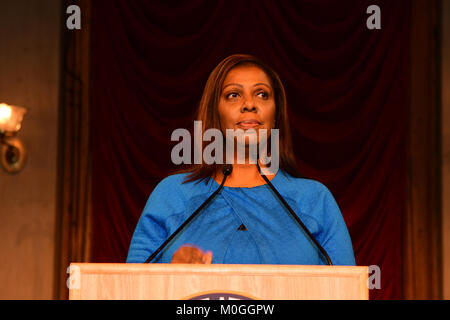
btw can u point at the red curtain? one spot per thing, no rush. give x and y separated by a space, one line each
346 85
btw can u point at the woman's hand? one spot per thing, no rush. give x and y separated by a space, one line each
191 254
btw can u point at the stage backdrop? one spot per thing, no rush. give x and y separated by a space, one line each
347 91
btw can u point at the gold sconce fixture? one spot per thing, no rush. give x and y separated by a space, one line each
13 153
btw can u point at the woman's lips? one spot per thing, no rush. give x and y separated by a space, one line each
246 124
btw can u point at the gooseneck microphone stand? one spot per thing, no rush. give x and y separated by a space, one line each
322 250
226 170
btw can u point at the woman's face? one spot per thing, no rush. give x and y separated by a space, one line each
247 100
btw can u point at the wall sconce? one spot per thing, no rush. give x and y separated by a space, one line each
13 153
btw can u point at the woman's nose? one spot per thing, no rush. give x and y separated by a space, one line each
248 106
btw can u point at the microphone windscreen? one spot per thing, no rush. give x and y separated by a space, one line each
227 169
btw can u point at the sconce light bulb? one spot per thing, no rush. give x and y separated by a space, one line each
5 113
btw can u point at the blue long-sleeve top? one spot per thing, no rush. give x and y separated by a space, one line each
272 235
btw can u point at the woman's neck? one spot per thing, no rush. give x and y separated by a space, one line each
243 175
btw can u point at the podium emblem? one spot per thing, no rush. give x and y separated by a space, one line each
220 295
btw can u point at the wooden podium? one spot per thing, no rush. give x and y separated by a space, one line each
99 281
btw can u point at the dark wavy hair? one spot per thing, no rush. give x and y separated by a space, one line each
209 115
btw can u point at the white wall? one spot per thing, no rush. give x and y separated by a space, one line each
29 76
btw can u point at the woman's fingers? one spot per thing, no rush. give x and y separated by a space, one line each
191 254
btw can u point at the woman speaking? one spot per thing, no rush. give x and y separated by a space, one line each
237 213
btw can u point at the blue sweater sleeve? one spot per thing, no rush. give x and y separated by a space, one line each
166 201
334 237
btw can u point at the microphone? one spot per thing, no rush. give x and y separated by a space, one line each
226 170
321 249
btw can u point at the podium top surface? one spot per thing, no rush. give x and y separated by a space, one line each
219 268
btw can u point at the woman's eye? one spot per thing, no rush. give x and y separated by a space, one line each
263 94
232 95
